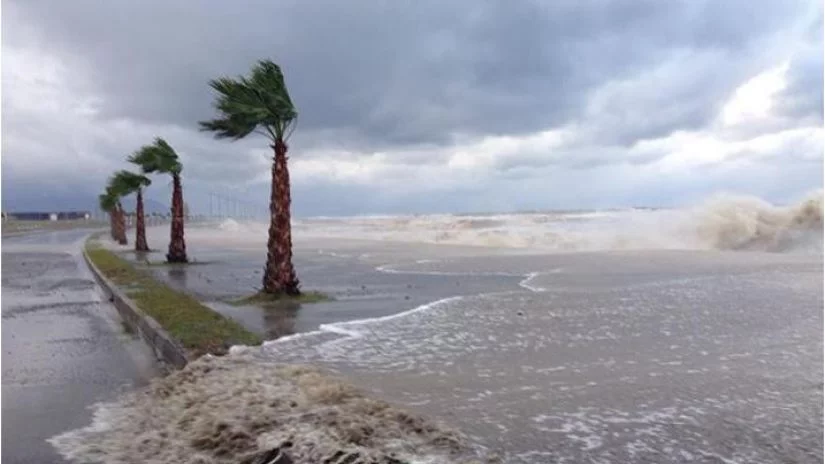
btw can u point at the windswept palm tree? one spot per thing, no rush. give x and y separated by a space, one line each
113 195
129 183
260 103
160 157
108 203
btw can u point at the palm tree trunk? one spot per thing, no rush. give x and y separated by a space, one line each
113 224
286 271
271 284
177 244
121 225
140 225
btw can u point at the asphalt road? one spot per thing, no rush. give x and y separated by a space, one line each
64 347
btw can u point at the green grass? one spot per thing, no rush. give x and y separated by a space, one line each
266 299
198 328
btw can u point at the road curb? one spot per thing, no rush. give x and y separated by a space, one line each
165 347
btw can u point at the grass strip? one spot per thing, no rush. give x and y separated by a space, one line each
198 328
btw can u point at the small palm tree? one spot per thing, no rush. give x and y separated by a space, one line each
129 183
112 199
160 157
260 103
108 203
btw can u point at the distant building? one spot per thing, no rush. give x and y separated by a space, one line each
48 216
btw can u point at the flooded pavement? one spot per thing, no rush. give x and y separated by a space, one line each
63 345
605 357
357 289
598 357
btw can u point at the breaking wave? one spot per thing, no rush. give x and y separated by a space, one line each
724 222
748 223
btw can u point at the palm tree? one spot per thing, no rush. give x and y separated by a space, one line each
260 103
160 157
128 183
112 199
108 203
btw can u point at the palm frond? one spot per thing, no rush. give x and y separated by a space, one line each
110 199
158 157
145 159
126 182
228 128
107 201
268 79
247 102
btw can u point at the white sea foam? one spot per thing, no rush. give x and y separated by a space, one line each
526 282
350 329
723 222
393 269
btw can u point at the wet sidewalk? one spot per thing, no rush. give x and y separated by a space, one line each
64 347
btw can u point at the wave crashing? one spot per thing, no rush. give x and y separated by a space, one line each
748 223
725 222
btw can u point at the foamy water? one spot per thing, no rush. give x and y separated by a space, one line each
724 222
617 356
589 365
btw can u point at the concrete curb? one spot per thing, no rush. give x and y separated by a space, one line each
165 347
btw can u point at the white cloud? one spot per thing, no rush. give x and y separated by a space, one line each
754 99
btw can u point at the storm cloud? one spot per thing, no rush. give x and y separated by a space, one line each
405 98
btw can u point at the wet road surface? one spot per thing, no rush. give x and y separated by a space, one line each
64 347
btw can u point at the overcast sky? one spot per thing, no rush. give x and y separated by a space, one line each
424 106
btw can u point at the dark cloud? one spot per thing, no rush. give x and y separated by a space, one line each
684 93
388 73
404 80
